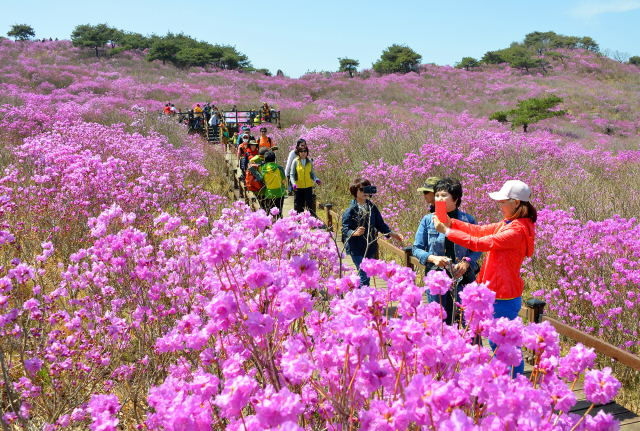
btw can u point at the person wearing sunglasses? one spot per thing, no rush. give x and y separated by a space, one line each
360 222
507 243
290 158
303 177
265 141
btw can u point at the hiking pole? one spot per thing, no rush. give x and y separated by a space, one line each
454 289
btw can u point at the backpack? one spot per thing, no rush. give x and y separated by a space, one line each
269 142
272 176
253 184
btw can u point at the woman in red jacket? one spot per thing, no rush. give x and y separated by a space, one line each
507 244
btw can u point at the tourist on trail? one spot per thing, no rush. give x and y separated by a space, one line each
266 112
224 134
438 253
253 177
507 243
198 110
233 109
191 120
173 110
303 177
243 147
214 122
274 183
292 155
428 192
245 131
264 140
167 109
359 223
251 151
206 112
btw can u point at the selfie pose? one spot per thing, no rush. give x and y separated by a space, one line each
359 223
438 253
507 243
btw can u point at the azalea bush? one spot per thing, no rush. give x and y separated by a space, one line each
224 324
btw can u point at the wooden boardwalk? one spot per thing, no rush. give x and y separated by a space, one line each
629 421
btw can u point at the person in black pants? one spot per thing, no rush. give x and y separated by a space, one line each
359 225
303 177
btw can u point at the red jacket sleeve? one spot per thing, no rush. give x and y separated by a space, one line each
474 229
503 240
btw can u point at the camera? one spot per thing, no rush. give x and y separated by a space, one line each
369 190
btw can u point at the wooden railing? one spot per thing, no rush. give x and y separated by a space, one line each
533 311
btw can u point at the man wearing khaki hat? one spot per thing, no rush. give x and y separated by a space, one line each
429 195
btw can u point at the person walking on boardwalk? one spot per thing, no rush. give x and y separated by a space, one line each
265 141
507 243
303 177
266 112
290 158
214 122
438 253
253 179
359 223
274 183
251 150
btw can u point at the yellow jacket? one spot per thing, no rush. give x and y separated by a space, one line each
303 176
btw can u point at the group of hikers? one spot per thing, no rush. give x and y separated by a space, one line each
194 118
455 244
271 182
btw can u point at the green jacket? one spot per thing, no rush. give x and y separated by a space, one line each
273 177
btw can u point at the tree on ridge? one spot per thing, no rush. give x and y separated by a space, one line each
398 58
348 65
92 36
21 32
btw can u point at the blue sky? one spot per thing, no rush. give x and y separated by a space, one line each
299 36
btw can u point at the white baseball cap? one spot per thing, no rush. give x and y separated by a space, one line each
512 189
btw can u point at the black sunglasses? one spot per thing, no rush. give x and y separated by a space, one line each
303 151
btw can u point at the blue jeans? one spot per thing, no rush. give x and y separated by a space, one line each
508 308
357 260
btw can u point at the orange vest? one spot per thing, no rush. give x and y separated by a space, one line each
265 142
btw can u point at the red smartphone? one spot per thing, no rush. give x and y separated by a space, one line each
441 211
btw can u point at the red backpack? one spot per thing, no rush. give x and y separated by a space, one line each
252 183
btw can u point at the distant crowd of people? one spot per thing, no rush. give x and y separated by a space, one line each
195 117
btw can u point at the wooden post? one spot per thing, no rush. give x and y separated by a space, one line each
408 252
314 204
327 212
537 307
235 179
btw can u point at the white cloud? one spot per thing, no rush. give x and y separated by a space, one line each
588 9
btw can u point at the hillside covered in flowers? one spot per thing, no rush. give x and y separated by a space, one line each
135 294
